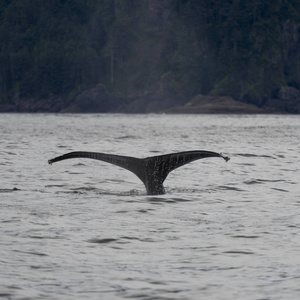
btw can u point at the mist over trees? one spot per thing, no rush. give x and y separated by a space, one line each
59 49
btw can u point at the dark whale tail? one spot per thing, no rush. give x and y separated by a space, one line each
152 171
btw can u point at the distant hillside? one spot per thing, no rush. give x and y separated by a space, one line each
148 55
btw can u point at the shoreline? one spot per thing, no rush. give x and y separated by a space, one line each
200 104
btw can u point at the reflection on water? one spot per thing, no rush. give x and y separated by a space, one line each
86 229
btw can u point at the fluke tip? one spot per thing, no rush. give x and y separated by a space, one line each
226 157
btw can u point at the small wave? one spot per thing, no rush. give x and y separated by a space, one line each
271 180
86 189
6 295
160 200
13 220
31 252
9 190
261 181
280 190
238 252
253 155
120 240
191 192
181 199
130 193
133 193
144 211
147 240
10 153
97 191
126 137
102 241
168 199
252 181
246 236
40 237
230 188
55 185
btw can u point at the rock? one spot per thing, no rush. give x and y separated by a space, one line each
202 104
166 98
90 101
95 100
32 105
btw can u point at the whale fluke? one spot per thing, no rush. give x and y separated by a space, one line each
152 171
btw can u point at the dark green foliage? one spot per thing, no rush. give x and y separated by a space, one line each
245 49
47 48
252 44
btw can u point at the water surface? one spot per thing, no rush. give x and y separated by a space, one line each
84 229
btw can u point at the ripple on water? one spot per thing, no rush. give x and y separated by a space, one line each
253 155
9 190
121 240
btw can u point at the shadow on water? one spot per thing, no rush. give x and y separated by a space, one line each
9 190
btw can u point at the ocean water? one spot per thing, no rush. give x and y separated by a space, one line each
85 229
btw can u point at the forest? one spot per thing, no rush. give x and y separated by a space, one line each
56 53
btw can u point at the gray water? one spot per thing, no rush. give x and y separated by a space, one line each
84 229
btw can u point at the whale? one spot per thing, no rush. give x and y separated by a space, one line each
152 171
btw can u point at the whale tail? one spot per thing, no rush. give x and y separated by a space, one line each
152 171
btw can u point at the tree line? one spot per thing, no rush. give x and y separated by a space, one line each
244 49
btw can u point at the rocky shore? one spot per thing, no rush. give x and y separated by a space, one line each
216 105
98 100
